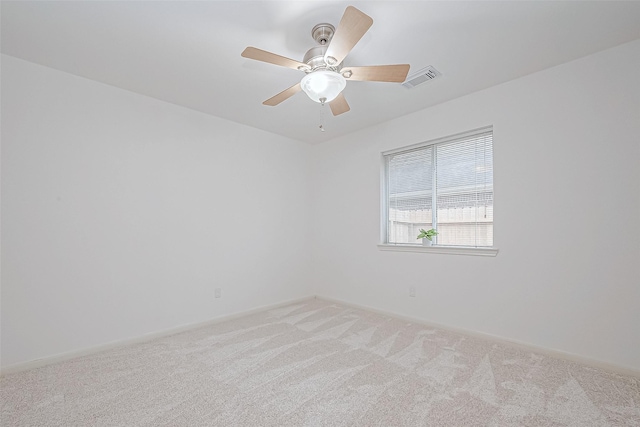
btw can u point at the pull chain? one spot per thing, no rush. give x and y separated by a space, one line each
322 101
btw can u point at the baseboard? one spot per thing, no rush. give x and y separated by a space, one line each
559 354
594 363
61 357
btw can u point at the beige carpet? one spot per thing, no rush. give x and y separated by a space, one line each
318 364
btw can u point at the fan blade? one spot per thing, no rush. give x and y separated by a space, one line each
377 73
272 58
339 105
284 95
353 25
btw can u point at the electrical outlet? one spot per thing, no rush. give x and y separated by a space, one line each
218 292
412 291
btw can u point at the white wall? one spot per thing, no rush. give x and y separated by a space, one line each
567 214
121 214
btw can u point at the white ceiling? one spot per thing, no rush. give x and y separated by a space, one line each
188 53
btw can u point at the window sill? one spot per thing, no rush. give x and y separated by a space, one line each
450 250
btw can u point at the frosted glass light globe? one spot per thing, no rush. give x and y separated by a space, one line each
323 84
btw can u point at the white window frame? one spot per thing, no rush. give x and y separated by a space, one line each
384 207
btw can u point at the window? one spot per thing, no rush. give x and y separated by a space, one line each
445 184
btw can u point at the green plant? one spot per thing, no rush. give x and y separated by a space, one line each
427 234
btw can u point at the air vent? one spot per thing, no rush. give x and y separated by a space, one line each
422 76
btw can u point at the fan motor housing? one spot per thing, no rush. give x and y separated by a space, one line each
322 34
315 57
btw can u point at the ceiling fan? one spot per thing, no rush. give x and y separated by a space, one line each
325 74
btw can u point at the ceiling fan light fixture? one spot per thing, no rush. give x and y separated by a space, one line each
326 77
323 85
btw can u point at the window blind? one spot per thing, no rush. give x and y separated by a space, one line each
410 186
446 185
